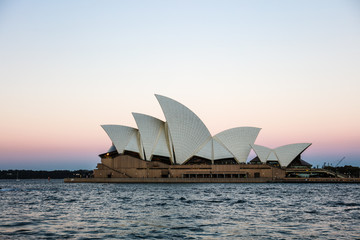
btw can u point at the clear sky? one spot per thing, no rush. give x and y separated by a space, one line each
291 68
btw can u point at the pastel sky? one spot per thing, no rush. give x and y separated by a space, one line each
291 68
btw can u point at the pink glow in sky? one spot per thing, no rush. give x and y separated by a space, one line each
290 68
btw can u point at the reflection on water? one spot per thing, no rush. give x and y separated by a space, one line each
38 209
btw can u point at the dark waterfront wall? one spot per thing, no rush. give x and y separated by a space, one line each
167 180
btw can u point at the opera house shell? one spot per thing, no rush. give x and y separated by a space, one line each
182 147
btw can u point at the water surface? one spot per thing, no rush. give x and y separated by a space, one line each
38 209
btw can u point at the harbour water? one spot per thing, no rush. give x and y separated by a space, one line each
38 209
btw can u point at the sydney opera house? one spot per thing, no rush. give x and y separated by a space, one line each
183 149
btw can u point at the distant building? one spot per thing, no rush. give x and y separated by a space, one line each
182 147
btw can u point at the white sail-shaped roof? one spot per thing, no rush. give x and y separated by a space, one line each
184 135
188 133
213 150
238 140
134 144
262 152
272 156
152 135
207 150
161 146
287 153
220 152
111 149
119 135
169 142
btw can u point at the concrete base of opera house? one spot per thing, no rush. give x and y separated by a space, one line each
129 167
